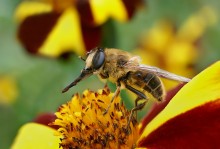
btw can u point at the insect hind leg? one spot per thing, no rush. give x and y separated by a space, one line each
135 109
138 106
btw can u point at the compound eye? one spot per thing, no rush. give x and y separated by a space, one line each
98 59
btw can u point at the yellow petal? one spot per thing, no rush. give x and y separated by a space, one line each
203 88
159 37
195 26
103 9
65 36
180 56
36 136
8 90
27 8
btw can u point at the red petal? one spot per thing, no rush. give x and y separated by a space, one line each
85 13
46 119
91 33
197 128
131 6
91 36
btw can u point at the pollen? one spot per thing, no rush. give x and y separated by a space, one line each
82 124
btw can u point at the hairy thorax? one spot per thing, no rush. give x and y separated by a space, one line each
114 67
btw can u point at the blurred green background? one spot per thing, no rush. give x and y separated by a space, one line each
38 81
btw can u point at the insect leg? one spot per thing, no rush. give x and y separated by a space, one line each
138 106
138 93
117 92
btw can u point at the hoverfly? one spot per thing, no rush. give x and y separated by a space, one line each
125 70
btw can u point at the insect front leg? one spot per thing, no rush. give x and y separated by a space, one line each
117 92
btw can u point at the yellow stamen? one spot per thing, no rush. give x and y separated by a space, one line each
83 125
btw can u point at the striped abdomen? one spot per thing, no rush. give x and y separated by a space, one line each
148 82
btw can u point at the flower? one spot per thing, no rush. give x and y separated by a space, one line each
54 27
82 123
176 49
190 119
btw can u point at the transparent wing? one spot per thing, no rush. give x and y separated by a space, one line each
159 72
163 73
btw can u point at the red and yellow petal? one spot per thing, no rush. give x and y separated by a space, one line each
157 108
47 32
65 37
36 136
27 9
103 9
192 116
97 12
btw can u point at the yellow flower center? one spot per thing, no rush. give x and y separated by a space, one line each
82 123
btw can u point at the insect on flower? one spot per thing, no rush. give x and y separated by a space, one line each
125 70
